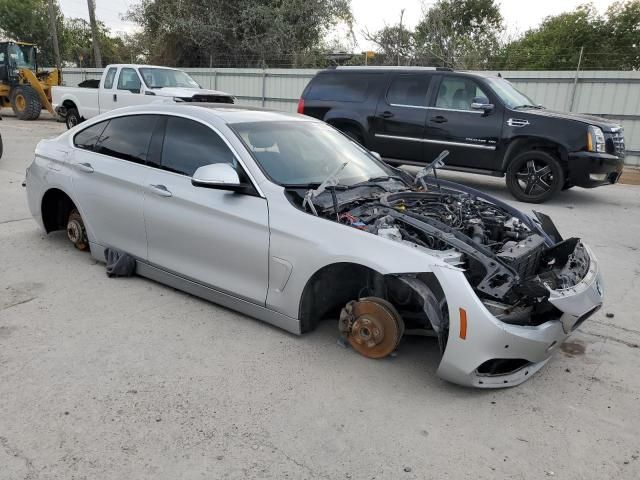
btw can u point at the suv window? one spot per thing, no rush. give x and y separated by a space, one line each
129 80
341 87
88 137
127 138
457 93
111 75
409 89
189 145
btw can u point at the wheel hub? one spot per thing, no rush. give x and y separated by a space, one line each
21 102
74 231
372 326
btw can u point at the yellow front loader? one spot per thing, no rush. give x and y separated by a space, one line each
22 87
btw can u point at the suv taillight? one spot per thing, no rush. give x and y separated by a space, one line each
301 106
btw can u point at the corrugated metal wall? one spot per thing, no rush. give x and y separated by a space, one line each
611 94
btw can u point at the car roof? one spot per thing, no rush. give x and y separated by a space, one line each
227 113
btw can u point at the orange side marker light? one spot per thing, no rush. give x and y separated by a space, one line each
463 323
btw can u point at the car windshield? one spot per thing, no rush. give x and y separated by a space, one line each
511 97
164 77
304 153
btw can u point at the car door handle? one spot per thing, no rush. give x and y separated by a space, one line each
439 119
386 114
160 190
85 167
115 97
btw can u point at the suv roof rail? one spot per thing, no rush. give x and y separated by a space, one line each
390 67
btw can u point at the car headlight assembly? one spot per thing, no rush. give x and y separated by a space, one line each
595 139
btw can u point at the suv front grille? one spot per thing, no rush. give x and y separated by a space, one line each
615 143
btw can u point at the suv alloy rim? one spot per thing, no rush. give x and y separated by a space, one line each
535 177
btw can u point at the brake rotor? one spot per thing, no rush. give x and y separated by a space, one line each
373 326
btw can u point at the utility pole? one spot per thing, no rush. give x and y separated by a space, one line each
400 36
54 35
94 33
575 80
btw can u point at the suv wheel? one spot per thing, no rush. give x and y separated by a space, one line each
534 176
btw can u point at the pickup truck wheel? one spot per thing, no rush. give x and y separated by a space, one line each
76 232
534 176
73 118
25 103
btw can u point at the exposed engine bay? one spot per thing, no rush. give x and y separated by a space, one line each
508 258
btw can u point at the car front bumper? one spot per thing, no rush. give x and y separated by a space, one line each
589 170
481 338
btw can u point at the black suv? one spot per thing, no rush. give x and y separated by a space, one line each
409 115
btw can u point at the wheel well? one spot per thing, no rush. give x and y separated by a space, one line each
331 287
521 145
69 104
56 207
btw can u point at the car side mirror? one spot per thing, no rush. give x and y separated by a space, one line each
376 155
220 176
482 103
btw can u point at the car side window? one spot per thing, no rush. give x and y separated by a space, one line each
127 138
108 79
457 93
88 137
129 80
409 90
189 145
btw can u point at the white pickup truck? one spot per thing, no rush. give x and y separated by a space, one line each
127 85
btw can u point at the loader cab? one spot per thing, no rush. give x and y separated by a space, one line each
14 56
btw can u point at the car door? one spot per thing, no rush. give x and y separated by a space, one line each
400 117
107 93
214 237
471 136
108 177
129 91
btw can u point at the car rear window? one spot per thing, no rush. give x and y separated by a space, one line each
341 87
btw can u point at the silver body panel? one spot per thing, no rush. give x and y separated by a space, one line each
256 254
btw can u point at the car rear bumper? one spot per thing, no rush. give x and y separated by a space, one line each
488 353
589 170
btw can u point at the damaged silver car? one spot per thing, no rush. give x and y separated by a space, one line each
285 219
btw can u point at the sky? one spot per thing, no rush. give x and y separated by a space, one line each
519 15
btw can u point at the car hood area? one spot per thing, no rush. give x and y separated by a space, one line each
512 261
182 92
604 123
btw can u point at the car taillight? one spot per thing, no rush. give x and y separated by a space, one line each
301 106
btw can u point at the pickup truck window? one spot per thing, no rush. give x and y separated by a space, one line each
108 79
129 80
409 90
165 77
88 137
127 138
457 93
189 145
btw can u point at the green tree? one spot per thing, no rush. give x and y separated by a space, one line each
609 41
459 33
28 21
238 33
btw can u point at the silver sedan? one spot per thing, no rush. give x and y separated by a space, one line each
285 219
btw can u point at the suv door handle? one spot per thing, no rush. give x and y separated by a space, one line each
439 119
386 114
85 167
160 190
115 97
